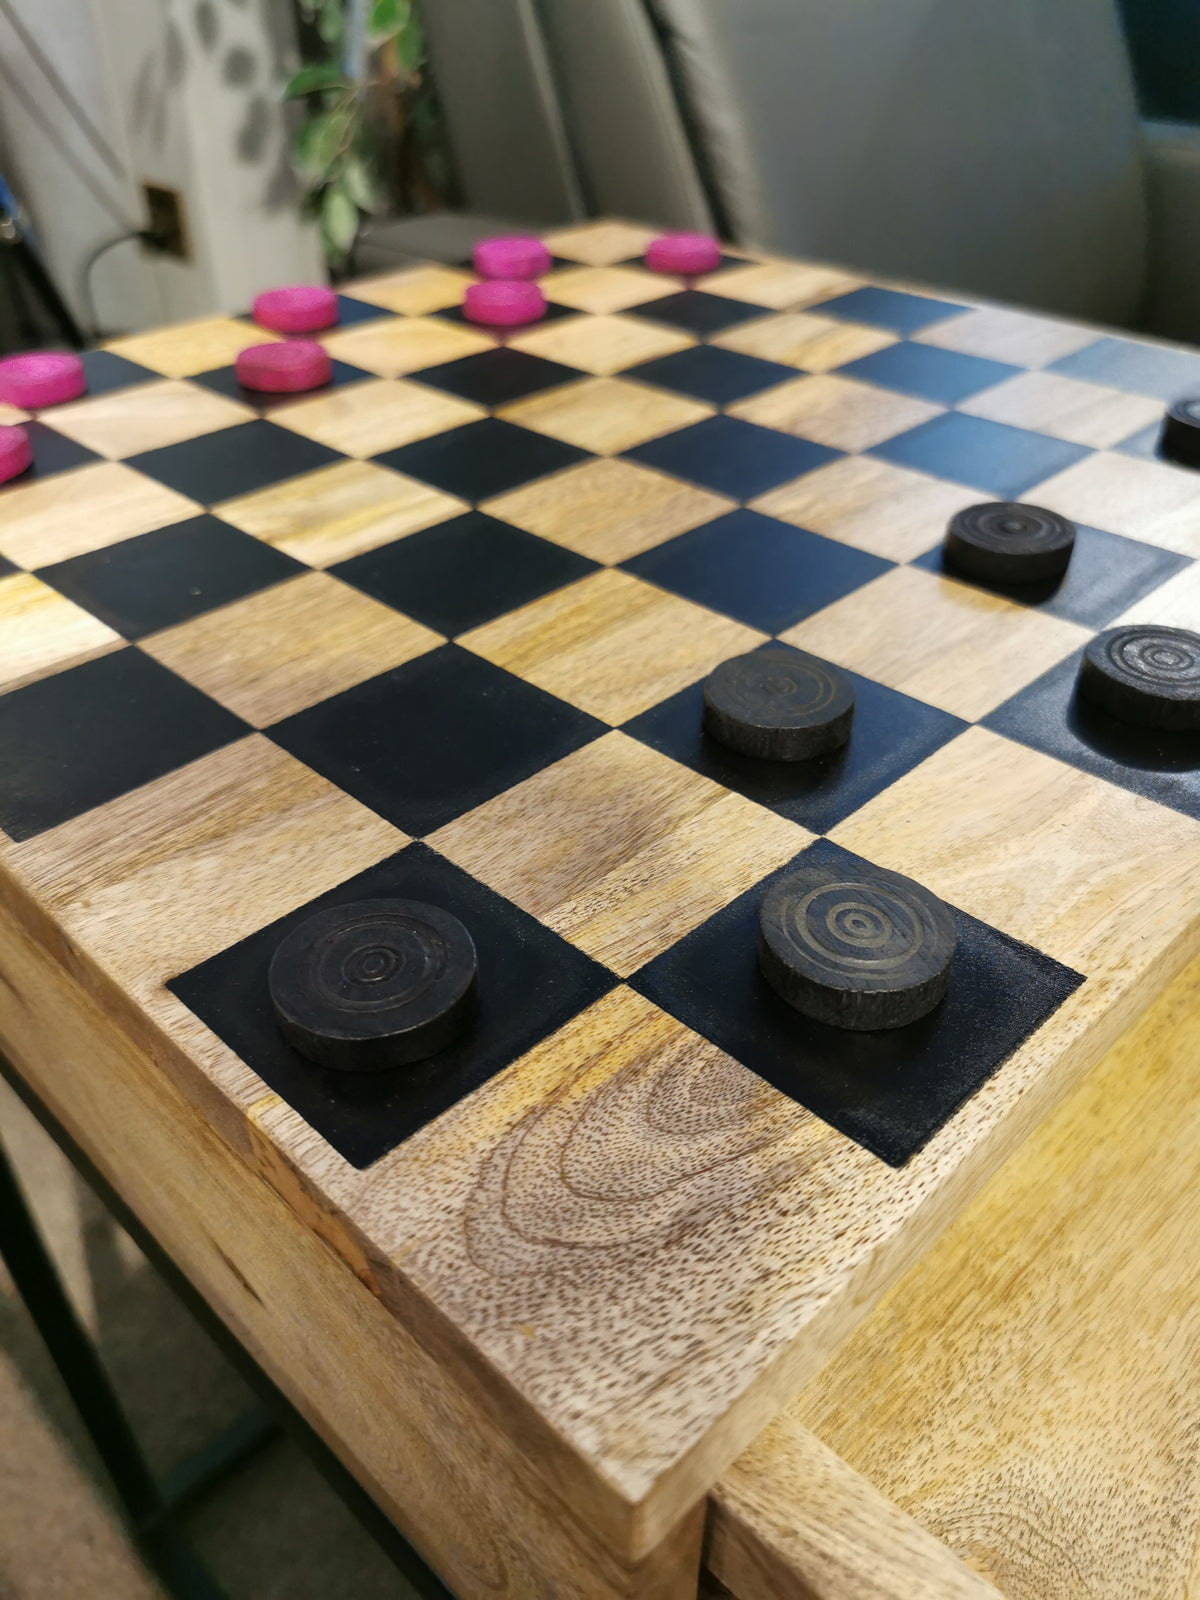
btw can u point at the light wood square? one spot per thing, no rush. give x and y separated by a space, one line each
601 345
185 866
800 339
52 519
10 415
396 346
414 291
283 649
147 416
339 511
619 849
605 415
1146 500
1065 408
1018 337
950 644
839 412
608 510
41 631
600 244
891 511
782 285
611 644
601 290
1174 604
1078 868
182 349
364 419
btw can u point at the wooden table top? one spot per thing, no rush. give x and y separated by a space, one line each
443 628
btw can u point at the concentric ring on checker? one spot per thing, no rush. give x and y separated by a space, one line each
862 951
1006 541
778 704
1146 674
375 984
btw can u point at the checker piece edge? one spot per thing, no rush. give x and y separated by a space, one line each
1007 541
1146 674
374 985
778 704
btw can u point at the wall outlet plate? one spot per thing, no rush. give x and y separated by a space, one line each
165 217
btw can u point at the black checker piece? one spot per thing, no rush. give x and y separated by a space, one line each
531 982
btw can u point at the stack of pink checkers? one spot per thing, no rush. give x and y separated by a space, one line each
32 381
296 365
508 296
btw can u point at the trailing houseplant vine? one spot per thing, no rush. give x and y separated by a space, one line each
371 139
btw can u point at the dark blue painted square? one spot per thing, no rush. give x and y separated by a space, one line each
697 312
233 461
434 738
765 573
84 736
1004 462
52 452
1143 443
1138 368
496 377
733 457
892 733
889 308
1049 716
531 982
888 1090
106 372
1106 576
224 380
483 458
464 572
351 311
706 372
159 579
945 376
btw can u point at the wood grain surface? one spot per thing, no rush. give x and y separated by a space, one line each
365 419
1027 1391
42 631
805 339
147 416
606 414
52 519
840 412
185 348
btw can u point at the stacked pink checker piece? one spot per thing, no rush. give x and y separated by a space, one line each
507 297
295 365
31 381
684 255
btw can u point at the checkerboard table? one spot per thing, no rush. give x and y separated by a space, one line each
440 631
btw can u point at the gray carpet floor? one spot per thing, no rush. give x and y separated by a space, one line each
273 1530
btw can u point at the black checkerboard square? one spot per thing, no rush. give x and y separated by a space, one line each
434 738
1106 576
889 308
891 1089
765 573
706 372
234 461
697 312
1050 716
459 574
1139 368
1000 460
106 372
7 567
892 733
733 457
224 380
496 377
169 576
52 452
482 459
86 735
944 376
531 982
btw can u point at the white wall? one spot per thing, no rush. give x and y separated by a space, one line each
187 94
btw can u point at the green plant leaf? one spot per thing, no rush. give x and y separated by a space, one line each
387 18
318 143
410 46
339 221
316 75
359 181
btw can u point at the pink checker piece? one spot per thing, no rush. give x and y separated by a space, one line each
514 256
300 308
41 378
288 368
15 454
687 255
502 304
